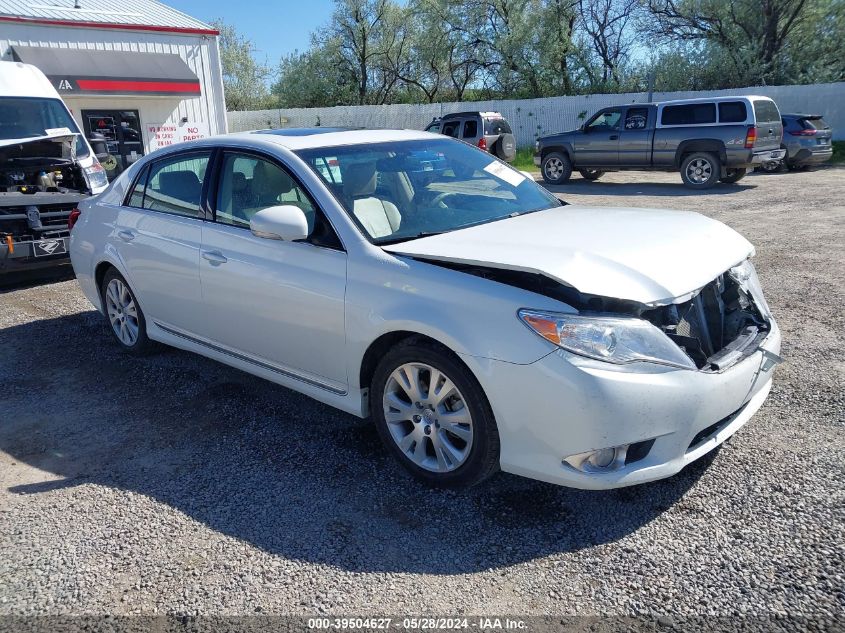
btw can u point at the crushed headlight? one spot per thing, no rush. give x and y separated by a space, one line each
610 339
745 275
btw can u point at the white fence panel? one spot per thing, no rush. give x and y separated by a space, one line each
531 118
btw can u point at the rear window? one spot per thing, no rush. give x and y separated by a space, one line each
689 114
814 124
470 129
174 184
732 112
766 110
496 126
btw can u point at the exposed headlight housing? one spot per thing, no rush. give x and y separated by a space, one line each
618 340
745 275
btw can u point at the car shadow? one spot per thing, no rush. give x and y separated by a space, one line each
584 187
261 463
19 279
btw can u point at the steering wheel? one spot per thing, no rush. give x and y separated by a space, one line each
440 198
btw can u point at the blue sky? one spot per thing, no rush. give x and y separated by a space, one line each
276 28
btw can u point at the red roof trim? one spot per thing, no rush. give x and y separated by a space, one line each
103 25
113 85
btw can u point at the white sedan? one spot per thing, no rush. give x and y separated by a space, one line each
401 275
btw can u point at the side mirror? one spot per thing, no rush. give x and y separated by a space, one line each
283 222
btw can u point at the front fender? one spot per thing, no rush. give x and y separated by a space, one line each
468 314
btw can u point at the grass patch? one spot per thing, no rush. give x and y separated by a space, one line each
838 152
524 160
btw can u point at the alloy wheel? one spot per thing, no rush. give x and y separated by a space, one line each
122 312
428 417
553 168
699 170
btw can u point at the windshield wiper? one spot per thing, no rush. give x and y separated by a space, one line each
407 238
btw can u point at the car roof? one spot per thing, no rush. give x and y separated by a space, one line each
802 116
309 138
485 115
711 99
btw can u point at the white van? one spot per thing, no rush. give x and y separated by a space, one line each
46 168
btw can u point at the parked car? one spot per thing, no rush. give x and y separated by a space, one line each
807 139
481 322
707 140
487 130
46 168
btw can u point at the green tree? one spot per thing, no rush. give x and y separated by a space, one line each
244 78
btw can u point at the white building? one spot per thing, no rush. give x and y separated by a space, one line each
139 73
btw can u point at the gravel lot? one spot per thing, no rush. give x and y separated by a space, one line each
176 485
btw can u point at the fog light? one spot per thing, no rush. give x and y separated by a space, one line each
603 457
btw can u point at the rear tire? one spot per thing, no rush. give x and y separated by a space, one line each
126 319
591 174
733 175
700 170
556 168
413 419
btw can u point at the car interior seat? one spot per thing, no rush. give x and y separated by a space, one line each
379 217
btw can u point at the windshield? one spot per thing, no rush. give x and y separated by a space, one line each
402 190
25 117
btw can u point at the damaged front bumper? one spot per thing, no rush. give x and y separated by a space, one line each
566 405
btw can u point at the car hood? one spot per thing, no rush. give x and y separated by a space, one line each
61 135
650 256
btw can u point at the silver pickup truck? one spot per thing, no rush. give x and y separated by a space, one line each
706 140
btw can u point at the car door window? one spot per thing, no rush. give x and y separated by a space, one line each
249 184
136 198
636 119
470 129
606 121
175 184
451 128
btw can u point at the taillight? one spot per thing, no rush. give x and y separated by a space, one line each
482 143
72 218
750 137
804 133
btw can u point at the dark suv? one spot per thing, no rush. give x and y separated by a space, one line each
707 140
486 130
807 140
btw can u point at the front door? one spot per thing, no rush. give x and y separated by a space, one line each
121 130
598 144
277 302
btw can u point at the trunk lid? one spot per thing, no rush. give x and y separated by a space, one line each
653 257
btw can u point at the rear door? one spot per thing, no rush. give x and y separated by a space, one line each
157 235
769 125
598 144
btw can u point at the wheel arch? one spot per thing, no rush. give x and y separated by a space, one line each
557 147
712 146
387 341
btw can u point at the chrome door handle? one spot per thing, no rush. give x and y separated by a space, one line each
215 257
126 236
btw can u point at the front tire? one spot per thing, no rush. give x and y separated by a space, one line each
591 174
433 416
556 168
733 175
126 319
700 170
